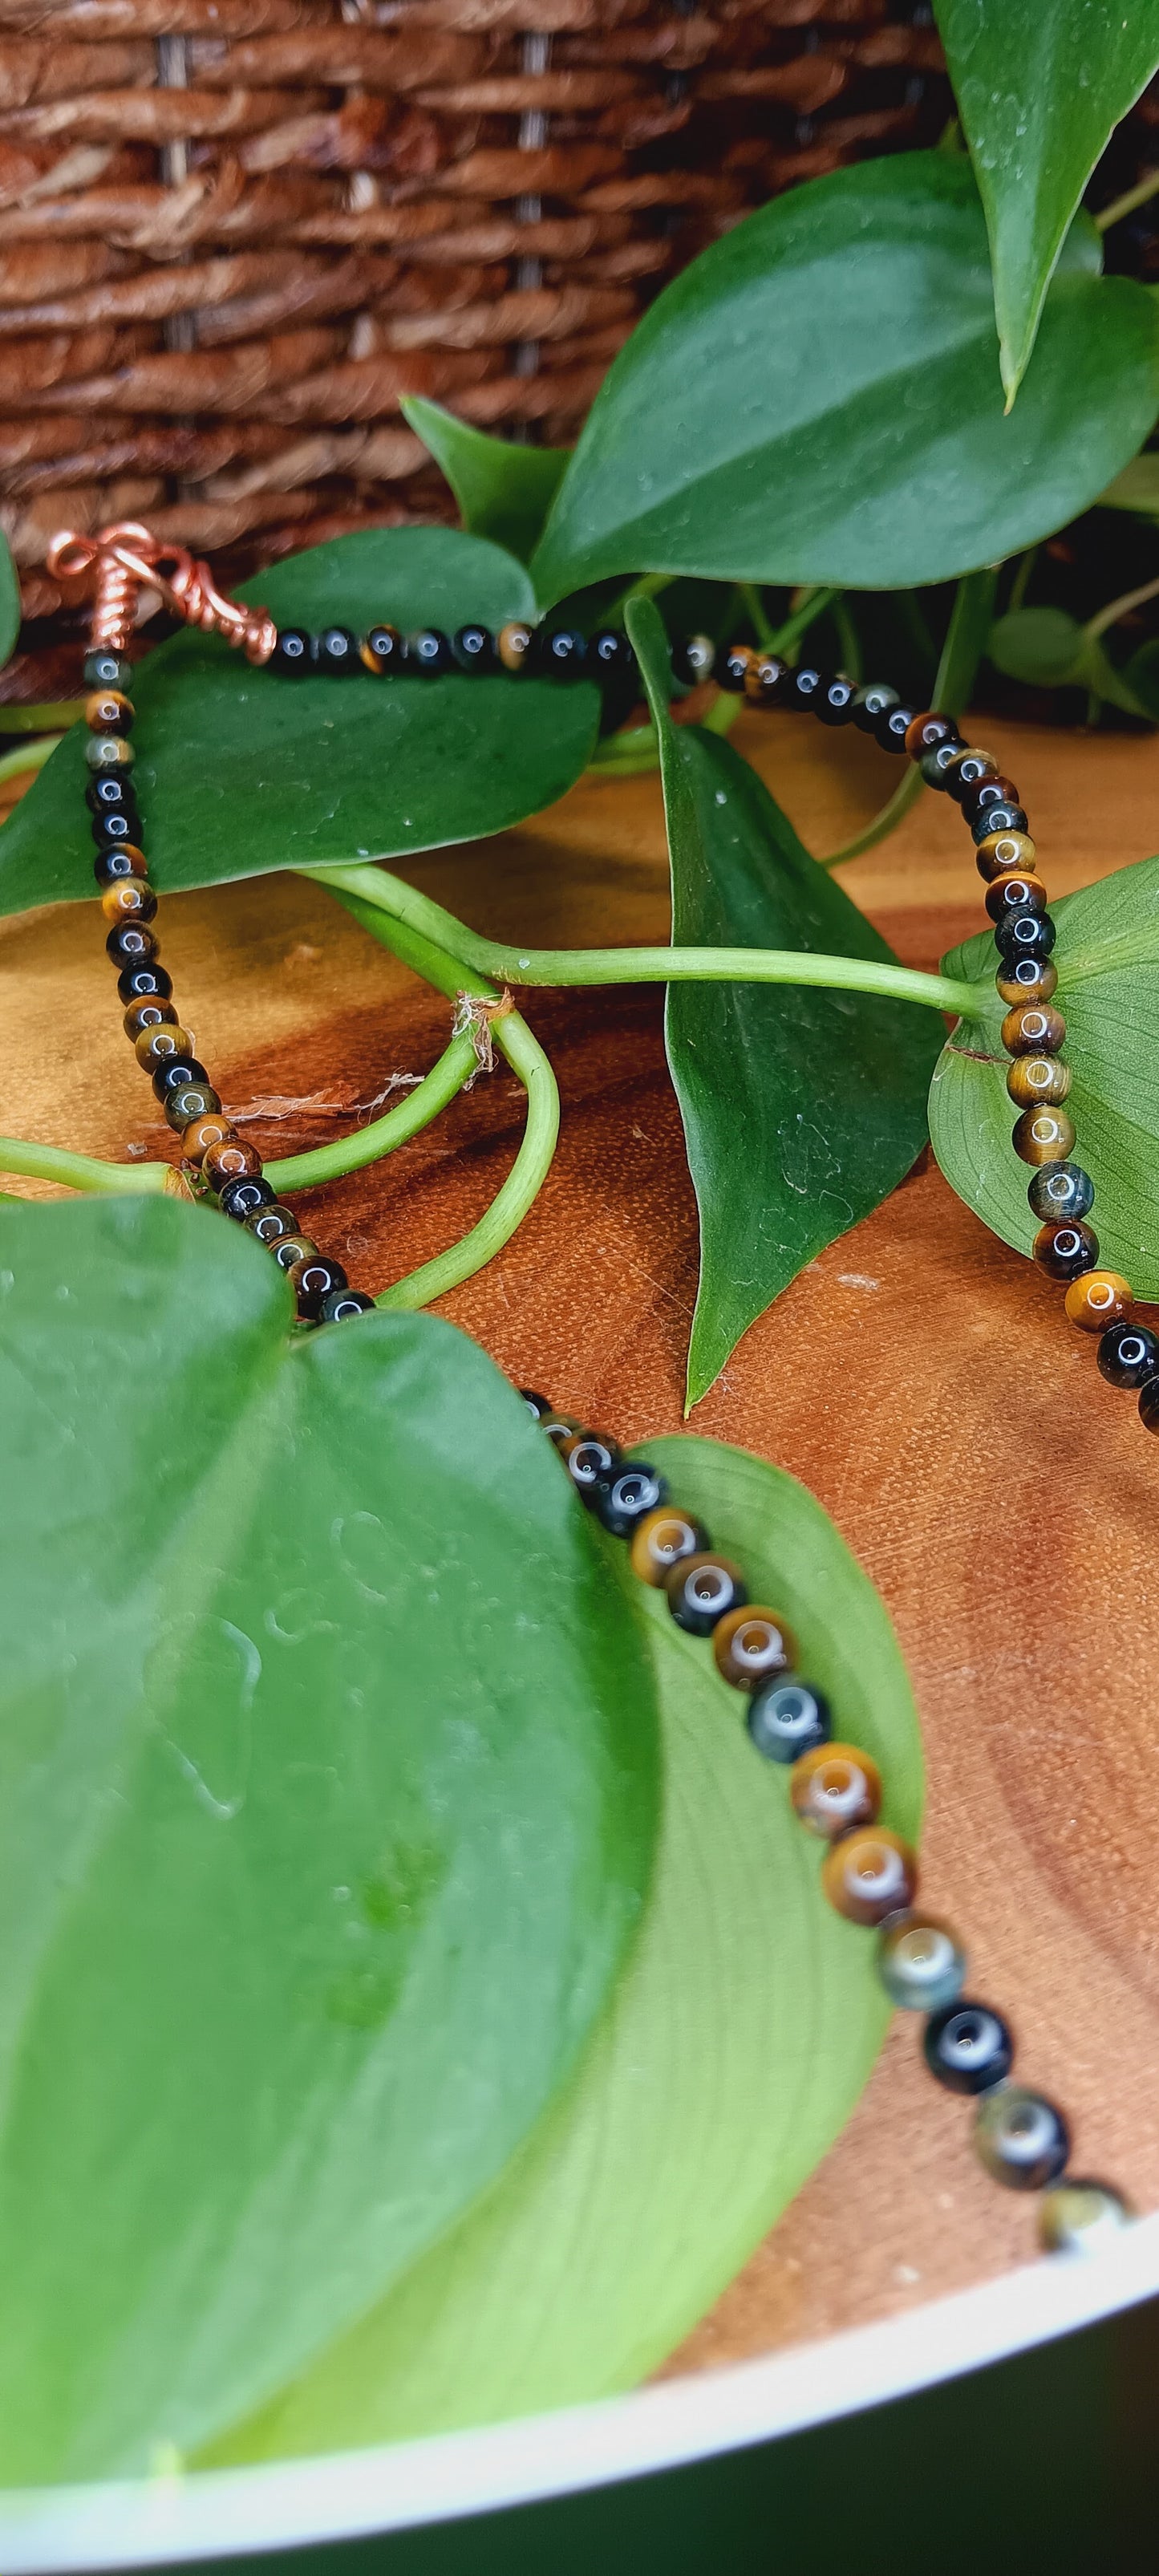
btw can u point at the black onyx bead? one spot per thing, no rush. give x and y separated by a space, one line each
734 668
627 1500
891 728
834 702
787 1718
693 658
968 2047
104 669
611 655
314 1279
383 651
335 651
111 793
131 944
243 1198
1060 1191
475 649
590 1461
998 818
175 1074
121 825
430 652
935 764
112 864
341 1303
1024 934
537 1405
701 1589
292 652
871 704
805 687
562 651
1149 1404
968 770
1128 1354
142 978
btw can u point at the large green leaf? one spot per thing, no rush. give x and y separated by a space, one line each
326 1804
736 2044
817 398
801 1108
504 491
1040 86
9 603
239 770
1048 648
1108 987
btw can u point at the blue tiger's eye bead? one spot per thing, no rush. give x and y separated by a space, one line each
998 818
1059 1191
1128 1354
788 1718
109 751
627 1500
834 702
871 704
701 1589
104 669
968 2047
1021 2138
430 652
935 764
920 1963
1079 2217
291 655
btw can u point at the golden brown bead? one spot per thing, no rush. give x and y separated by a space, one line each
663 1537
196 1139
232 1161
1038 1078
1099 1298
835 1788
148 1014
1044 1136
1012 989
109 711
1016 891
130 899
752 1646
158 1045
870 1875
764 679
1066 1250
1001 851
925 732
1033 1029
513 644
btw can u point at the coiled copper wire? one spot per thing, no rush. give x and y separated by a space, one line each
126 559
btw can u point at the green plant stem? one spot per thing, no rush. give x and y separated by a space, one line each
389 895
48 718
755 605
79 1171
622 755
723 712
29 755
1121 607
368 1144
1127 203
970 620
410 939
1022 579
905 794
785 639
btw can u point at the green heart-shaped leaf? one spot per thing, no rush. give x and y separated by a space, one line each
801 1108
817 399
734 2048
1040 89
504 492
1108 989
326 1804
239 770
1049 648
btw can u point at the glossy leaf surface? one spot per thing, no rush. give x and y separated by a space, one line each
801 1108
1040 87
734 2048
240 770
817 398
1108 989
504 491
326 1806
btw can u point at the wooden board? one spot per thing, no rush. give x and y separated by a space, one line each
919 1376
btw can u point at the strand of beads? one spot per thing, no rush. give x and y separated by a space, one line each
210 1145
561 652
868 1873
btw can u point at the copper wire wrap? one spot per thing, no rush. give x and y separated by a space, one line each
124 559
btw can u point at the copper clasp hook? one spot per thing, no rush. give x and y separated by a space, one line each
125 559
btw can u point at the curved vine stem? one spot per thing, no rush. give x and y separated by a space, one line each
29 755
368 1144
86 1172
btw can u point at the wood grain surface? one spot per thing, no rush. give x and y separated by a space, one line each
919 1377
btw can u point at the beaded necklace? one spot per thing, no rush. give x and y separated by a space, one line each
869 1874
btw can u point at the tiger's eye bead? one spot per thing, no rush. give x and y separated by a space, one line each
212 1128
382 651
1044 1136
692 659
627 1500
239 1199
1061 1190
235 1161
1081 2217
107 711
149 1013
1021 2138
871 704
1027 979
1000 851
925 732
1128 1355
1149 1404
177 1073
190 1100
561 651
767 680
335 652
129 899
109 751
1015 893
986 793
732 671
965 770
835 1788
787 1719
869 1874
429 651
314 1279
271 1223
590 1461
513 644
920 1963
752 1646
103 669
661 1539
291 1248
122 860
1098 1299
1024 934
291 654
131 943
833 704
891 728
1065 1251
342 1303
474 649
145 978
968 2047
1032 1028
1038 1077
701 1589
159 1041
